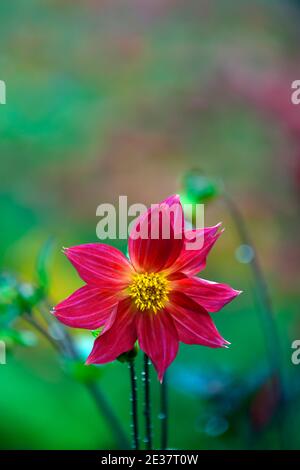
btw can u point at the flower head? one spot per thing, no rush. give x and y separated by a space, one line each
154 296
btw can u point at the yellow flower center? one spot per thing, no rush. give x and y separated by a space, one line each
149 291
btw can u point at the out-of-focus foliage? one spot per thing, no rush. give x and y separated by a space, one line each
80 372
13 337
111 98
43 266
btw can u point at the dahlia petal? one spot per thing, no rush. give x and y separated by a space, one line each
116 339
210 295
193 323
196 247
88 307
158 338
156 239
101 265
177 220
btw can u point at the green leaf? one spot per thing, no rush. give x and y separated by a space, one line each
8 289
96 333
42 268
9 300
13 338
29 297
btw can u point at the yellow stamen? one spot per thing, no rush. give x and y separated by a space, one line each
149 291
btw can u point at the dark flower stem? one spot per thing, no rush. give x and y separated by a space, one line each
66 347
164 413
133 399
147 407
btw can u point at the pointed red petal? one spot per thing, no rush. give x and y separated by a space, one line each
117 338
101 265
210 295
193 323
197 246
158 339
156 240
88 307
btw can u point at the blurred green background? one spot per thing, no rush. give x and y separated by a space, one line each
106 98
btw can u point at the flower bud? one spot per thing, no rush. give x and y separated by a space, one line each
129 355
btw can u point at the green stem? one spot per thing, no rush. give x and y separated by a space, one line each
133 399
108 413
164 413
29 319
147 406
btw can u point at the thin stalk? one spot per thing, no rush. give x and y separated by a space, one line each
29 319
65 346
272 336
164 413
133 399
267 313
106 410
147 406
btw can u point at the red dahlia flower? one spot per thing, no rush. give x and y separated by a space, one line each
154 298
